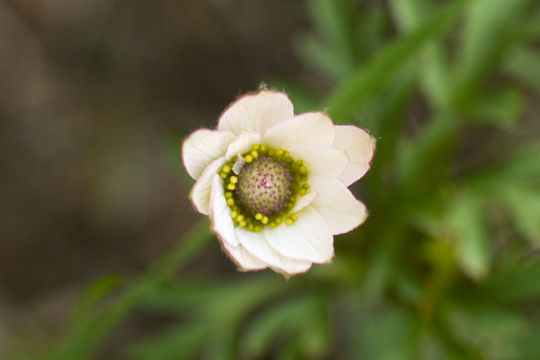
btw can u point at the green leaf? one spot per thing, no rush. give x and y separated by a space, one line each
82 343
89 300
524 64
516 278
178 343
522 165
503 108
315 53
388 335
490 27
334 20
524 207
433 64
279 322
466 218
366 82
493 331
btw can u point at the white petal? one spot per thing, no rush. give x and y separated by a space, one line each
202 147
200 194
359 146
242 258
220 214
321 160
309 238
256 112
242 144
304 201
308 128
257 245
337 205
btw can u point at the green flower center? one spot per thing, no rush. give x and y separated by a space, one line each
262 185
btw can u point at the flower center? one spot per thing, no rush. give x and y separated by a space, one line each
261 187
264 186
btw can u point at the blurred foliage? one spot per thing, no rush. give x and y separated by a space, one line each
447 265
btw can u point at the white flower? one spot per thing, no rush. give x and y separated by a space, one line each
275 184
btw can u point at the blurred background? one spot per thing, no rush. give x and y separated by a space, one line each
103 257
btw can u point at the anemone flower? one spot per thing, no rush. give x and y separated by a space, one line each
275 184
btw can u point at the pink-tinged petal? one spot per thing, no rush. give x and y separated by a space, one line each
321 160
256 112
200 194
309 128
359 146
337 205
256 244
242 258
304 201
309 238
242 144
202 147
220 214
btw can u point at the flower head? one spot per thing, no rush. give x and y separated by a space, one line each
275 184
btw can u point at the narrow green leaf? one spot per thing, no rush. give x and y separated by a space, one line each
502 108
282 320
178 343
367 82
316 54
334 20
388 335
522 165
490 27
467 220
433 64
493 331
515 279
524 208
88 301
81 344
